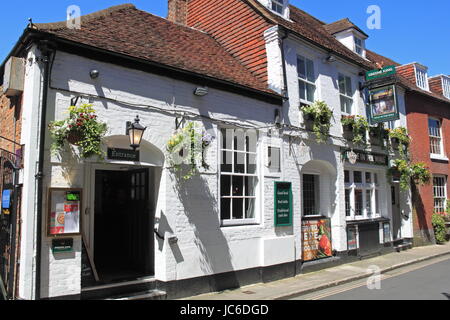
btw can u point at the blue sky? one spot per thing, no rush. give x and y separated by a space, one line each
410 31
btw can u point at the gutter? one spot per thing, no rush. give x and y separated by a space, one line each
283 57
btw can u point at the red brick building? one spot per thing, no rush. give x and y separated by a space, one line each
428 116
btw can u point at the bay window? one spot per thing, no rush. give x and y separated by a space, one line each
238 176
361 194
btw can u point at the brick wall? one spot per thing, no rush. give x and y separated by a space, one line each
10 122
419 109
236 27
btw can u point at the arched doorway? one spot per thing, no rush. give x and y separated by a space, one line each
124 197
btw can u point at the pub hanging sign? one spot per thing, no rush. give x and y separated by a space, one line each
383 104
283 204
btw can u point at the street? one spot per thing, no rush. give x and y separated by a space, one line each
428 280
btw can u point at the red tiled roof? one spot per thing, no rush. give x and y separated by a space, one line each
126 30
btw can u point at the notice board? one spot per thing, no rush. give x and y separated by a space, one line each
283 204
64 208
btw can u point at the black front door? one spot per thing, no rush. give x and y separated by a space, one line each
123 242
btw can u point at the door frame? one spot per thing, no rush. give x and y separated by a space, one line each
88 224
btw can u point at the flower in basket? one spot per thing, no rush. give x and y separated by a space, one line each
81 129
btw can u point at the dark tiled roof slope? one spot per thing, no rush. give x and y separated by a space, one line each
312 29
342 25
126 30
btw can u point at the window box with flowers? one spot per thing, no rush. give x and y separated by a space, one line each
81 129
186 150
355 129
378 134
318 119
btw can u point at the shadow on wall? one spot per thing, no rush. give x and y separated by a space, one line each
200 207
420 215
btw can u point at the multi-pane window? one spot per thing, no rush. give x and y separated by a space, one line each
446 86
311 192
361 195
346 93
440 193
359 46
306 79
238 176
277 6
434 129
422 78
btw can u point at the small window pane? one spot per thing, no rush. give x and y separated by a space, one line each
302 89
225 185
250 183
226 161
239 162
357 177
225 205
368 177
239 140
347 203
310 92
347 176
310 70
358 202
249 208
238 208
238 186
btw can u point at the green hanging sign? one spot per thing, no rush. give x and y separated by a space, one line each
376 74
283 204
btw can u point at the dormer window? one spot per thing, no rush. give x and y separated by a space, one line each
446 86
422 78
278 6
359 47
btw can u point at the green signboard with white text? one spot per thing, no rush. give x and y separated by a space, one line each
376 74
283 204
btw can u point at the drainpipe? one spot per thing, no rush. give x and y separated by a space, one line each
45 49
285 89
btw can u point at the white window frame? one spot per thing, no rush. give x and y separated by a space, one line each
422 78
359 46
344 95
439 193
433 136
364 187
276 5
306 81
446 87
245 221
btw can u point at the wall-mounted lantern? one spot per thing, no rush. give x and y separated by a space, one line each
135 131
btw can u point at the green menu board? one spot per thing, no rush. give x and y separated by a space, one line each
283 204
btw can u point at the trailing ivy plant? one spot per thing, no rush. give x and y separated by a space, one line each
81 129
320 115
401 135
186 149
416 173
359 127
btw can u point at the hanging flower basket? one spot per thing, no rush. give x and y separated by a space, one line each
81 129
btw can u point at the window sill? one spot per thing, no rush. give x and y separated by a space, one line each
438 157
238 223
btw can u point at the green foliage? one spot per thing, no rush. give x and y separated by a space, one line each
359 126
321 116
81 128
404 140
417 173
440 231
186 148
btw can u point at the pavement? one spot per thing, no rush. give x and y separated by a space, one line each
326 278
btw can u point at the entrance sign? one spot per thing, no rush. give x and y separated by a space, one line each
383 105
316 239
64 207
123 155
283 204
376 74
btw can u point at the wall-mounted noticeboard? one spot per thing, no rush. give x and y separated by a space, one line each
64 212
283 204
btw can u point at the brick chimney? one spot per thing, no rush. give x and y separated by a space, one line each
178 11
